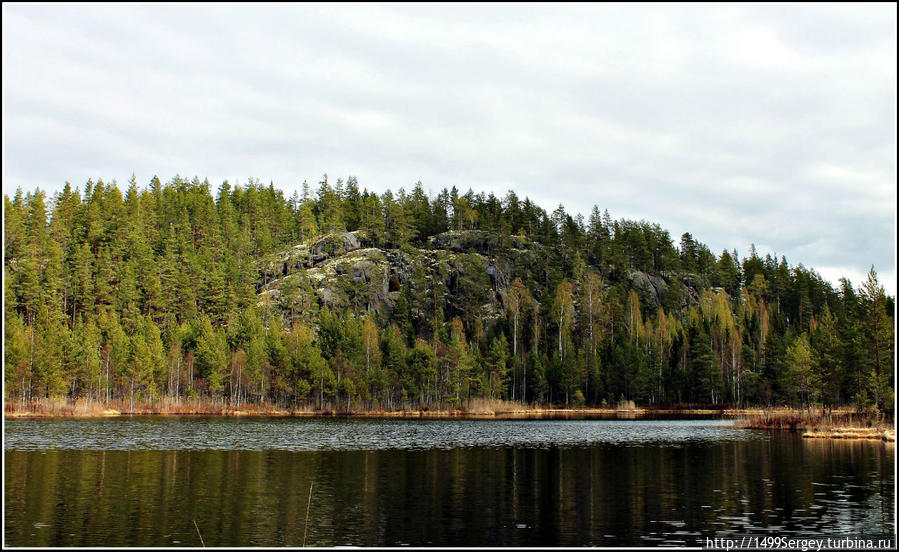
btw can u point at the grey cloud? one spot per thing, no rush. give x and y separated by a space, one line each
772 124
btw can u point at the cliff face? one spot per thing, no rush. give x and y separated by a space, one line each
454 271
464 273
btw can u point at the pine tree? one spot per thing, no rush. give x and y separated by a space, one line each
879 330
829 375
212 355
88 275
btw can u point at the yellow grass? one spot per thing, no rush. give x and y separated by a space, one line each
82 408
888 435
475 409
844 423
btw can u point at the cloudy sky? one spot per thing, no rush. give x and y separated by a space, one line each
765 124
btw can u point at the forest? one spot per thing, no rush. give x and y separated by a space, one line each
341 298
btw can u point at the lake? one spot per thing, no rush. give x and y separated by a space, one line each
246 482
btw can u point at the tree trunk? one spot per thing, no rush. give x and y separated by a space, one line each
31 366
560 337
515 337
99 377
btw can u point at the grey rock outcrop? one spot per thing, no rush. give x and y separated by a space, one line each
333 245
471 271
654 286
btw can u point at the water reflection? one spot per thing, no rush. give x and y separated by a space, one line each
607 493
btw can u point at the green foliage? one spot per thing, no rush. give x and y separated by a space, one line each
211 354
306 364
799 368
497 365
422 366
17 355
169 290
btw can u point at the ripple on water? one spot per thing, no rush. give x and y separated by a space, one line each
358 434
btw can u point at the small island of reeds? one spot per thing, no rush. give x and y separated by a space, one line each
844 423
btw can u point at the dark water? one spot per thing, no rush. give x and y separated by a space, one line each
143 482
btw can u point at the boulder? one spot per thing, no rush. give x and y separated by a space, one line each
333 245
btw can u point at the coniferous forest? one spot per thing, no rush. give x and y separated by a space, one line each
341 298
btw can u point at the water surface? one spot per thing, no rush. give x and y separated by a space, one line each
246 482
217 433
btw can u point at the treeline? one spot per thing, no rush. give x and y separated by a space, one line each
155 293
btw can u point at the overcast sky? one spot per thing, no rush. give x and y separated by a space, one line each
765 124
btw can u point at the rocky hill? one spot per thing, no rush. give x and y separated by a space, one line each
467 272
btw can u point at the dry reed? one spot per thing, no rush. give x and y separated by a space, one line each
841 423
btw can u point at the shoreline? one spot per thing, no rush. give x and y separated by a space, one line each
543 413
59 409
843 423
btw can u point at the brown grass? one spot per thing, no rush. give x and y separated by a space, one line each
844 423
58 408
756 418
82 408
